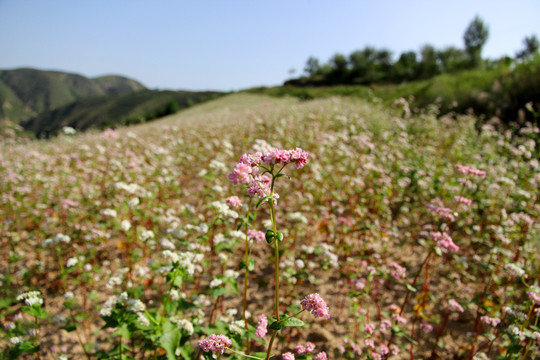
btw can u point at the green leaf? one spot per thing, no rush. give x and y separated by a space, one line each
170 339
285 322
279 236
410 288
260 355
262 199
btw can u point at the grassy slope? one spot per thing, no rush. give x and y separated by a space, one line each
31 91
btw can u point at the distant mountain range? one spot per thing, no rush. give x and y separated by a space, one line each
43 102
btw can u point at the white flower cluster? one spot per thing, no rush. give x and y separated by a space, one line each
146 234
183 324
514 269
297 217
134 305
16 340
218 166
57 239
186 260
72 262
31 297
224 210
201 228
132 189
109 212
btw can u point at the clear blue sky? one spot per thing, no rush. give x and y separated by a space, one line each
236 44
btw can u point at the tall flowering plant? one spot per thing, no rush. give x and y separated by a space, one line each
258 172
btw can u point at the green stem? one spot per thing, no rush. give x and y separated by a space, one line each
270 345
276 256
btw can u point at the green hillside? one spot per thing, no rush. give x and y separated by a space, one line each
25 93
113 110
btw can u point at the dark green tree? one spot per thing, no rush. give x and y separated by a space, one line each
406 68
313 67
429 65
452 59
339 65
475 37
531 46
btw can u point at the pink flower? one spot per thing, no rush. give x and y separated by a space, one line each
425 327
399 319
256 235
383 349
444 213
398 272
262 323
215 343
241 174
534 297
462 200
321 356
310 347
369 328
288 356
300 349
490 321
316 305
444 241
234 202
470 171
453 305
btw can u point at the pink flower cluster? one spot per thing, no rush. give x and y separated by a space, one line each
534 297
288 356
316 305
398 271
256 235
442 212
490 321
301 349
234 202
470 171
247 170
215 343
463 200
444 241
262 323
453 305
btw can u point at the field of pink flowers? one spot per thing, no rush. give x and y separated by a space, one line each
260 228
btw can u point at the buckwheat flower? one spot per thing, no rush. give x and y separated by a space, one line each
383 350
109 212
398 272
369 343
425 327
215 343
316 305
534 294
444 241
256 235
453 305
490 321
133 202
369 328
310 347
68 295
16 340
462 200
31 297
321 356
234 202
442 212
136 306
142 319
514 270
288 356
186 325
241 174
125 225
72 262
300 349
399 319
231 274
215 283
376 356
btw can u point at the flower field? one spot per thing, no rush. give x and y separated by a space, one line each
252 227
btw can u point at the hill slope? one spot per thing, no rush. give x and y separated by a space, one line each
24 93
113 110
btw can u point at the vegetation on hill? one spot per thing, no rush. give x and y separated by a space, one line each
113 110
510 92
25 93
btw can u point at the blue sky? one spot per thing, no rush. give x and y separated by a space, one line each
237 44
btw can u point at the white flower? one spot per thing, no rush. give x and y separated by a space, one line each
134 202
68 295
215 283
16 340
231 274
109 212
125 225
68 130
186 325
175 296
72 262
136 305
142 319
514 269
31 297
146 234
